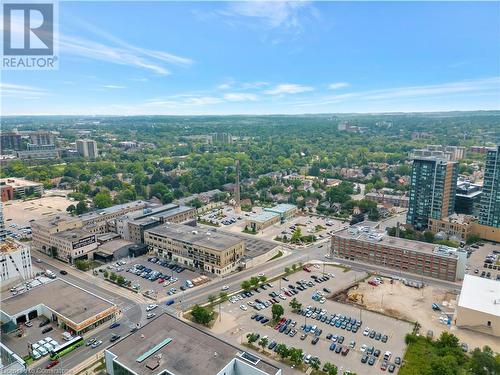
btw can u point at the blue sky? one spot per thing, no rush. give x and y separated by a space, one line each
127 58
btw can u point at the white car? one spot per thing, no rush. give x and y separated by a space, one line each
260 275
225 287
36 354
150 315
243 307
250 303
366 332
363 348
151 307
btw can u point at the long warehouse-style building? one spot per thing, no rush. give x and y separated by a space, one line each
364 244
203 249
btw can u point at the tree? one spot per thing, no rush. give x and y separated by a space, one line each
71 208
282 350
429 236
254 281
330 368
211 299
120 280
202 315
106 274
263 342
103 199
297 235
81 208
314 362
277 311
246 285
295 304
262 279
252 337
82 265
112 277
483 362
287 270
294 267
296 356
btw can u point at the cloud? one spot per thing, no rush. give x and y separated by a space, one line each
286 15
288 88
338 85
10 90
483 85
183 100
240 97
113 87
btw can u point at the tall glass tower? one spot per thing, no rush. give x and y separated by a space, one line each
489 213
432 190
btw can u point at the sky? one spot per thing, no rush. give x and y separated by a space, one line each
196 58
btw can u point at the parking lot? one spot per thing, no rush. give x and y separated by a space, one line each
321 227
484 260
162 279
237 323
33 334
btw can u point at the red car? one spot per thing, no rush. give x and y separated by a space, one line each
52 364
277 326
371 282
160 280
282 320
383 366
306 269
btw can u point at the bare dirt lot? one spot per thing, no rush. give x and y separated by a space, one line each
415 305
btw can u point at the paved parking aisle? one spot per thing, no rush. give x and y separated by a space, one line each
322 323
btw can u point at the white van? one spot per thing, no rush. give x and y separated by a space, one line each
35 354
42 351
67 336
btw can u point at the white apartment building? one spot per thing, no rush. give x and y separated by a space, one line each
15 261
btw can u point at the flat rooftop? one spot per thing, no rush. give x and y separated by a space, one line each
254 246
184 349
73 234
18 182
110 247
174 211
281 208
363 231
480 294
263 216
68 300
11 246
116 208
196 236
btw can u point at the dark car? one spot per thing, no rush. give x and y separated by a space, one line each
384 338
391 368
372 334
47 329
397 361
338 349
371 361
340 340
63 272
376 353
315 340
114 325
364 359
114 337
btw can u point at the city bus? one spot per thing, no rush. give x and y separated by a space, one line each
66 347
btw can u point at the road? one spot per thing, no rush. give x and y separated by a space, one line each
132 305
131 313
